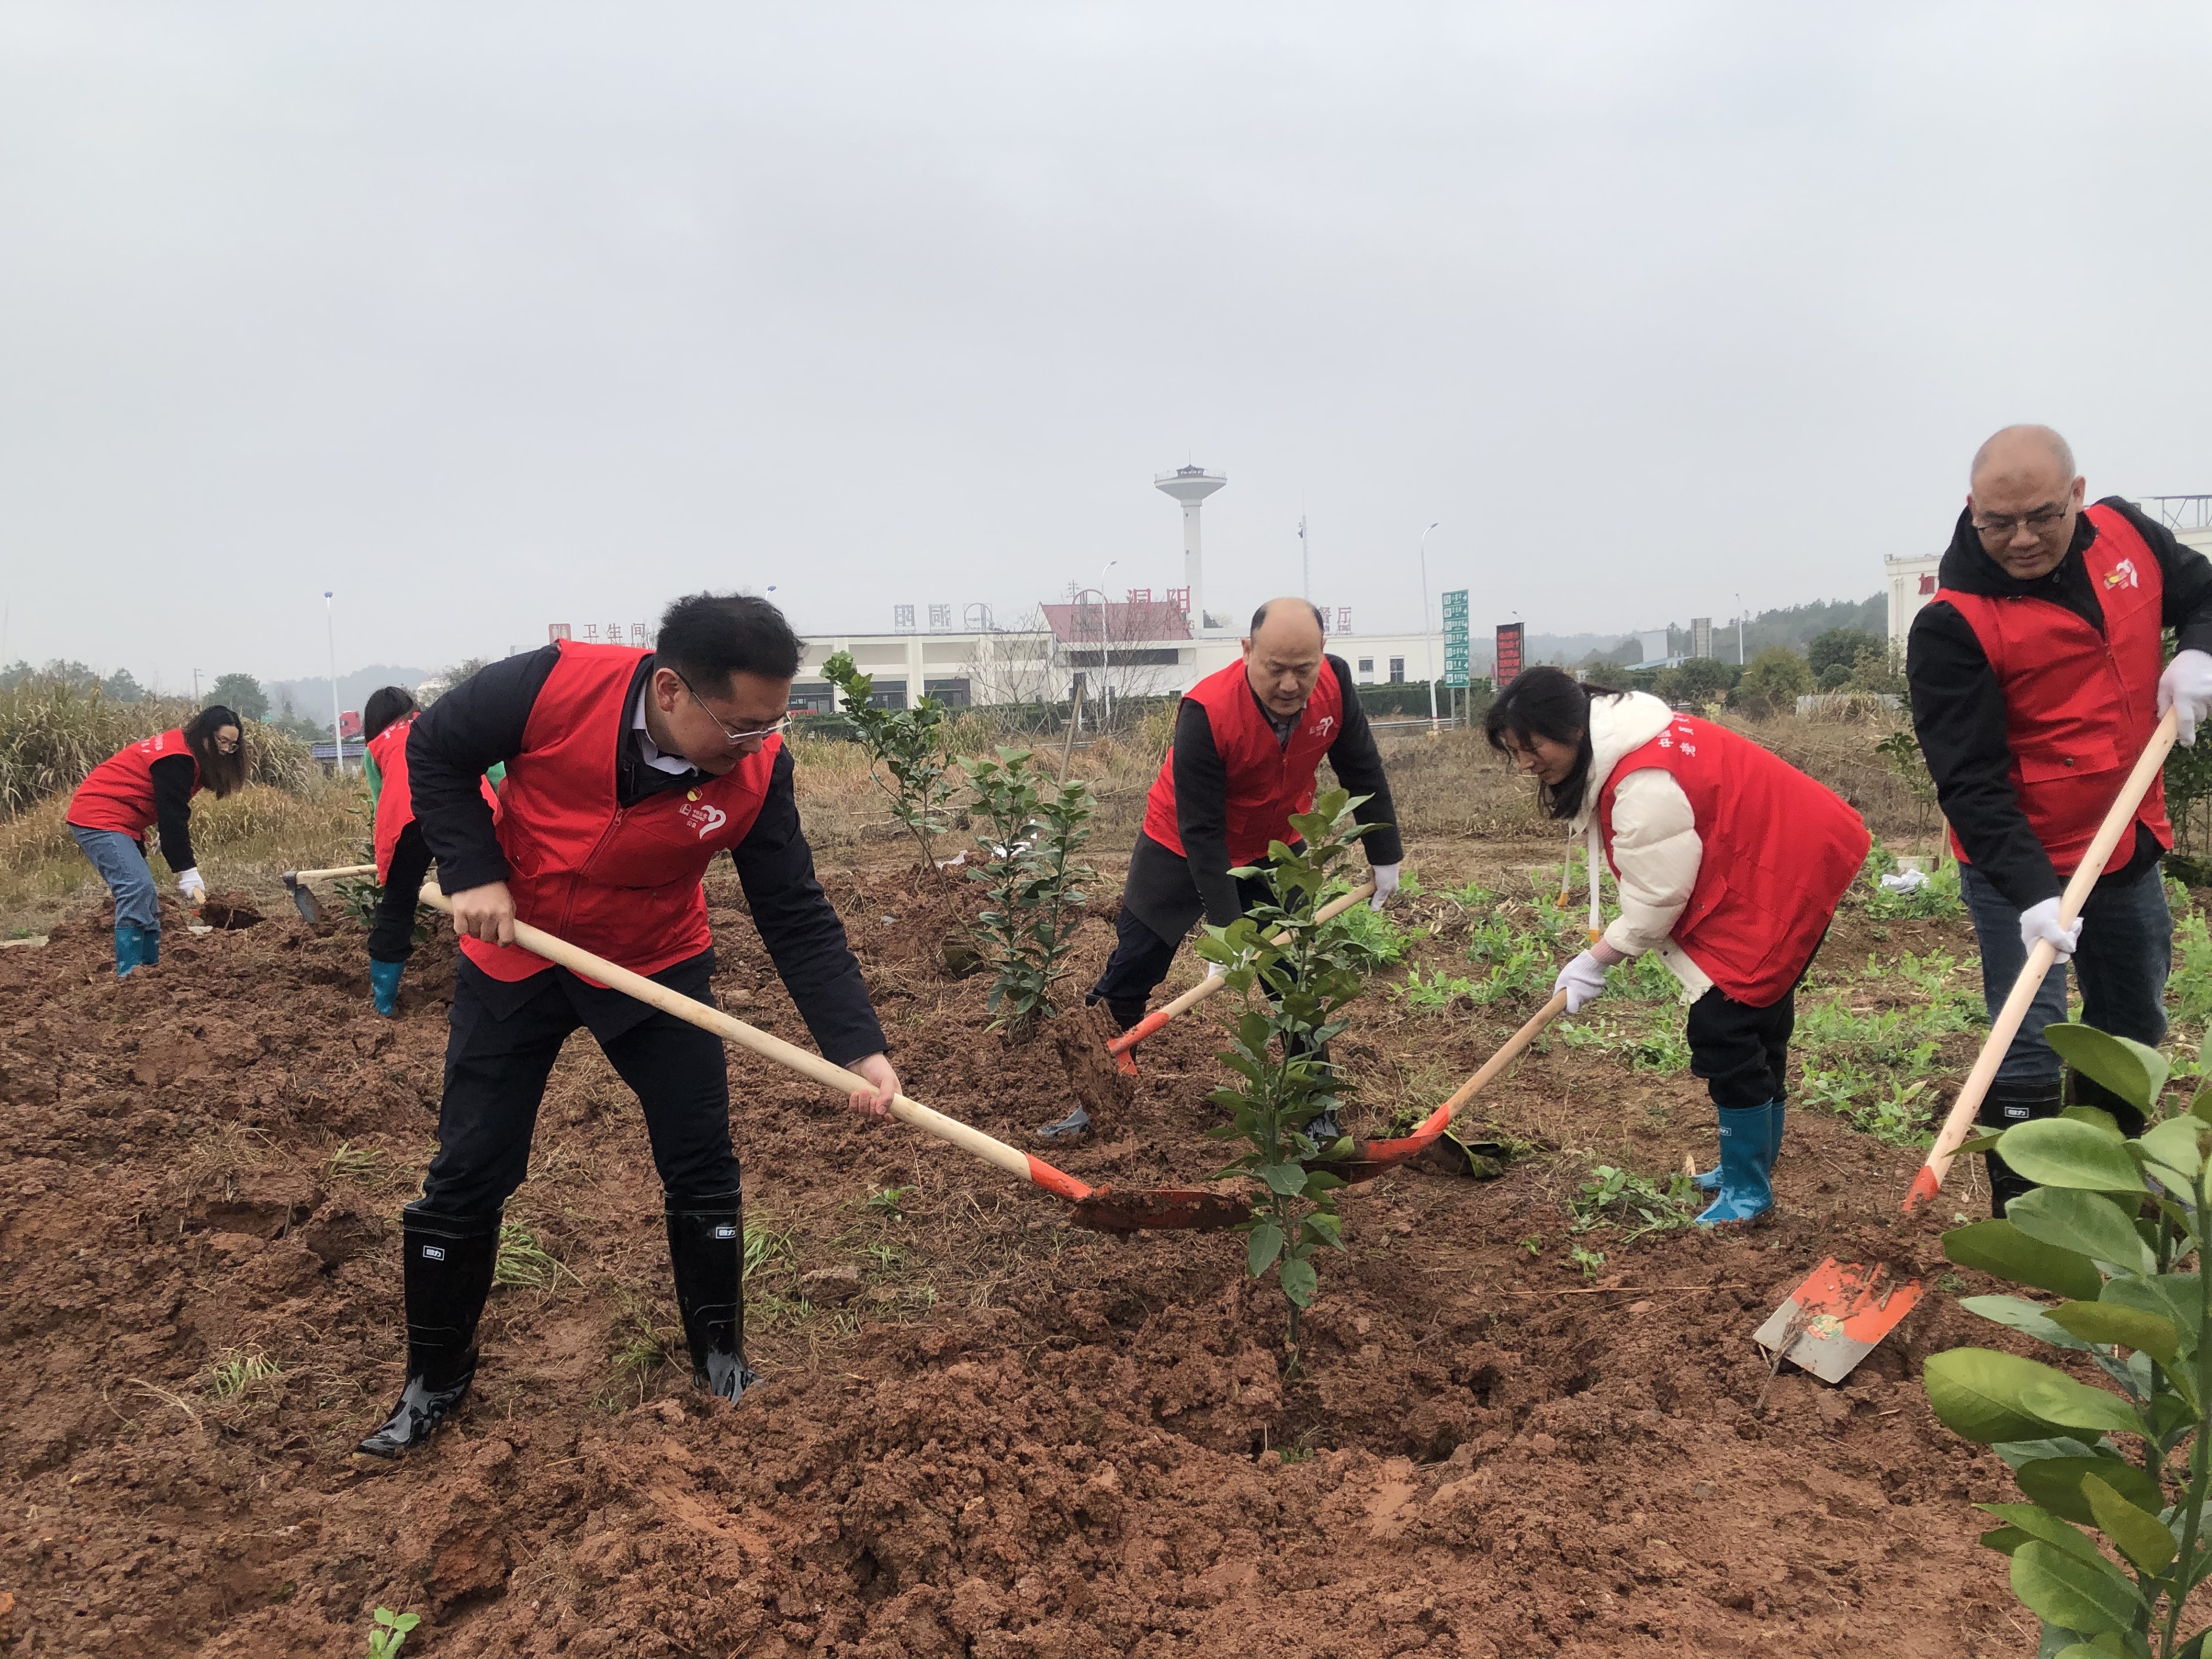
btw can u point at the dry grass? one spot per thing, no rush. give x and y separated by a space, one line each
52 734
245 843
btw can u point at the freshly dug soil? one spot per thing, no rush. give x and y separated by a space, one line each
984 1432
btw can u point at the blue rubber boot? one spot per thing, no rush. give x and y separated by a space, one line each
1745 1190
149 947
383 986
1709 1181
130 938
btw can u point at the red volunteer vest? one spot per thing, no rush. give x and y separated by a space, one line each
1780 852
622 883
2079 707
395 802
119 793
1267 781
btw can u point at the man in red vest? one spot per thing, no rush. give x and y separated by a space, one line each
1247 741
2036 683
626 772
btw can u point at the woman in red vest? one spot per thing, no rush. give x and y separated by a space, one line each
1730 863
402 857
149 783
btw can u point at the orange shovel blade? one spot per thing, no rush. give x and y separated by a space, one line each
1834 1319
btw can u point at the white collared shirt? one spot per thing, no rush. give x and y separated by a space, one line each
649 751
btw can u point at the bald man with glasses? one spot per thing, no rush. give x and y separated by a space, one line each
2037 679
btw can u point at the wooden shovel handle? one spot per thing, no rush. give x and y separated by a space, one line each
1206 986
787 1054
2006 1026
318 875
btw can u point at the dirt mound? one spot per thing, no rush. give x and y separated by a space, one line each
987 1432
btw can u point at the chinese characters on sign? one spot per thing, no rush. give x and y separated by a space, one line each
1509 653
1455 637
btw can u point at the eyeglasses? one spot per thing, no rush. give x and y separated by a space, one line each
734 737
2039 520
226 746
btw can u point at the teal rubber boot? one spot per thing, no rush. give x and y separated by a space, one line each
149 947
384 987
129 940
1745 1190
1709 1181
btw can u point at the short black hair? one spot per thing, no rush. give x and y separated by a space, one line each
386 704
1260 617
708 637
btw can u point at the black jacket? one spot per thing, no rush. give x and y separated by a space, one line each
172 777
1957 706
1168 894
481 720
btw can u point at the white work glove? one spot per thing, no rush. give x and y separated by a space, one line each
191 885
1583 980
1386 882
2186 687
2040 921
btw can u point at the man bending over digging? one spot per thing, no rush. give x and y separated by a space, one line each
627 771
1247 741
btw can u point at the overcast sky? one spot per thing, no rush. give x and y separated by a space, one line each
490 316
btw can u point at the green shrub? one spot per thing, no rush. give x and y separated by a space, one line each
1033 873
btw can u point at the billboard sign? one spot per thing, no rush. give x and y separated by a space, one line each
1509 653
1455 637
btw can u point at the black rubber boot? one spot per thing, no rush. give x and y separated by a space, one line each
446 1262
706 1247
2006 1104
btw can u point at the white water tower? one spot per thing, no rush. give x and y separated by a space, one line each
1191 485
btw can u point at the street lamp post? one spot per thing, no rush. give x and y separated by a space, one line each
338 730
1428 640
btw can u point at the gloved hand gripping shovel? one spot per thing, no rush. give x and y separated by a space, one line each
1369 1158
1099 1207
296 884
1834 1319
1121 1046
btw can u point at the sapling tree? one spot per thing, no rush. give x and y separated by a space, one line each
1292 994
1034 832
2115 1230
909 744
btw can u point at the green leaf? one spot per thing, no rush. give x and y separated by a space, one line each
2005 1539
2143 1538
2088 1223
2129 1070
2201 1107
2017 1454
2175 1144
2058 1151
1260 1250
2095 1116
2069 1591
1988 1396
2130 1328
1287 1179
2000 1248
2054 1483
2049 1529
1299 1281
2197 1645
2029 1318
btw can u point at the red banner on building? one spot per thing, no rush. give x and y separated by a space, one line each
1509 654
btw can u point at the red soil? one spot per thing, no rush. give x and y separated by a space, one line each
1015 1439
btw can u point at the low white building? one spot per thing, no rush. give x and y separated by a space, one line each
1912 584
1134 649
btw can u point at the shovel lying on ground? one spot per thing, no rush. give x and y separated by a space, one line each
1120 1047
296 884
1961 1123
1833 1320
1099 1207
1369 1158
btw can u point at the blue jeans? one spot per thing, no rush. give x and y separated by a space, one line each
122 865
2127 946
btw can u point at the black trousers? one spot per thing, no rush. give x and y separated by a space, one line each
1141 958
1741 1052
392 938
503 1041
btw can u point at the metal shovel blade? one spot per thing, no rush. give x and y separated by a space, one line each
302 900
1161 1210
1834 1319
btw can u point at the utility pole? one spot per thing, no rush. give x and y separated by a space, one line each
337 731
1739 630
1428 640
1305 561
196 688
